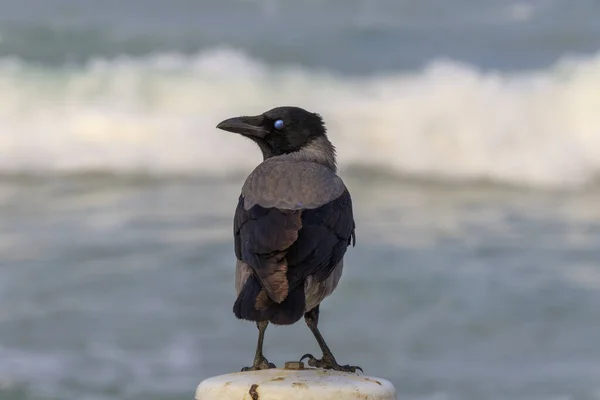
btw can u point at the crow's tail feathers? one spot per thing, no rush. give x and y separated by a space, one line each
253 304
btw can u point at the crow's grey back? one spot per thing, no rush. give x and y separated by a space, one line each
291 185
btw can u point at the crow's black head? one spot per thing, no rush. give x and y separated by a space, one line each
278 131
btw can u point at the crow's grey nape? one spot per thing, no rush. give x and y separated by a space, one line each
319 150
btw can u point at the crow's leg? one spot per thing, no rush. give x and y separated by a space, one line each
260 362
328 361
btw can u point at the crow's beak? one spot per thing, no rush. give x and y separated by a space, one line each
247 126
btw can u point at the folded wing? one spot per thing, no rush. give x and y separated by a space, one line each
283 247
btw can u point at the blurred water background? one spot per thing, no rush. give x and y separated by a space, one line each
468 133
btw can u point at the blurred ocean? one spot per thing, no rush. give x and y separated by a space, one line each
468 133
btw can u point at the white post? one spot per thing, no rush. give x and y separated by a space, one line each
294 382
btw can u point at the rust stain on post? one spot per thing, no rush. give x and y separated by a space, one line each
253 393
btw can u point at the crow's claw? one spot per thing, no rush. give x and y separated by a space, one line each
329 362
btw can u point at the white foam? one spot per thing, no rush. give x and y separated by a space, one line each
158 115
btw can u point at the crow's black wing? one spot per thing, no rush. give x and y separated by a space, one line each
284 247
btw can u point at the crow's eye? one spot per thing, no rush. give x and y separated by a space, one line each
278 124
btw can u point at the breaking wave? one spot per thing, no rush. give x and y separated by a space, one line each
157 115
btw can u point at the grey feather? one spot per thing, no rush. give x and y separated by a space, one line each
291 185
315 292
242 273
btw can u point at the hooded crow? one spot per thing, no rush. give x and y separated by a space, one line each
292 226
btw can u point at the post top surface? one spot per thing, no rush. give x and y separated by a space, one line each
306 384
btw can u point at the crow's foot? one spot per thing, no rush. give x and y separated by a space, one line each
329 362
259 363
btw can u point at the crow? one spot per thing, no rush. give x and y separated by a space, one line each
292 226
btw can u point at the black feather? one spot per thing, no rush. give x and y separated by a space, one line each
309 242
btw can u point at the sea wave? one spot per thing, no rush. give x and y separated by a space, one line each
157 115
